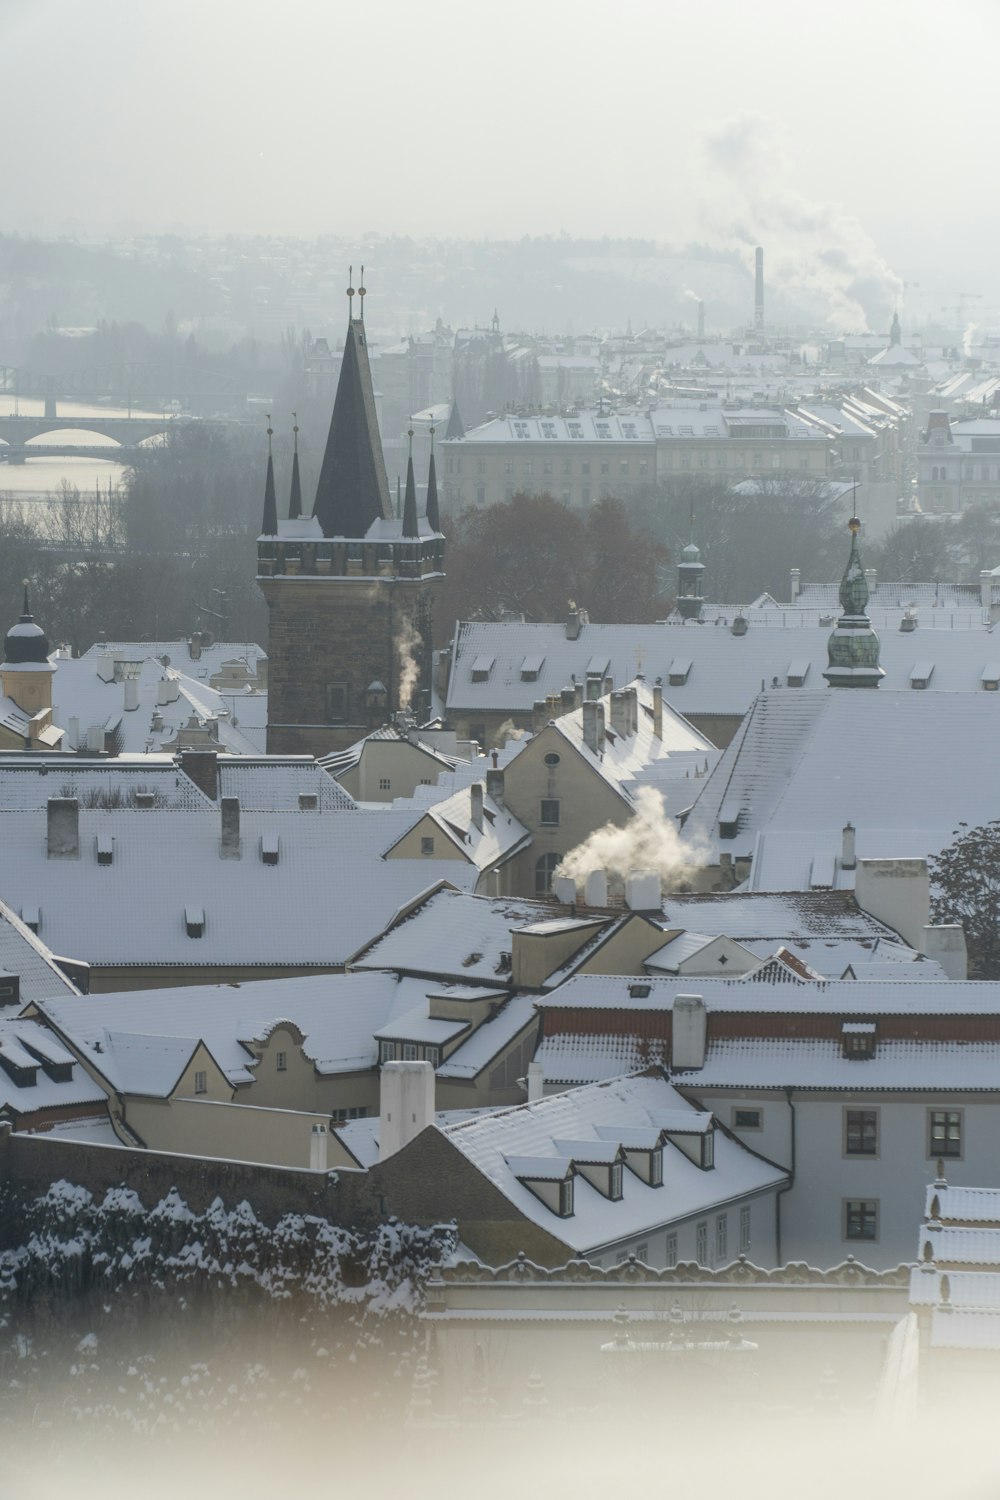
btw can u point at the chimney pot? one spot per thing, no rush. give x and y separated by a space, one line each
658 709
495 785
536 1082
230 809
476 791
406 1104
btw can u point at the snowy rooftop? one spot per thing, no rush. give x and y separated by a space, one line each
777 1063
24 954
25 1087
779 916
792 996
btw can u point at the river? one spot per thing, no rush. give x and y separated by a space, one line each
39 477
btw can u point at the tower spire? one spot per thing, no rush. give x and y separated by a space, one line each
295 501
270 523
853 647
361 296
410 528
433 514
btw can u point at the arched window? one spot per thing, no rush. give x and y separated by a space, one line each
545 868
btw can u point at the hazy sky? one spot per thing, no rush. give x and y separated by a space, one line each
862 128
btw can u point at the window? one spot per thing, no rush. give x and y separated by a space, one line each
566 1198
708 1150
336 702
480 494
340 1115
860 1219
747 1119
721 1239
552 759
384 784
387 1052
282 1062
615 1181
745 1229
201 1083
585 466
410 1050
550 812
656 1167
861 1132
945 1132
480 466
477 732
642 1253
545 868
508 466
701 1242
670 1255
426 845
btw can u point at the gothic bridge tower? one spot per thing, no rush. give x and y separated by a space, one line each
349 588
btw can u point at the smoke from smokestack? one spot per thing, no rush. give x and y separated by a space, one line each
650 841
407 644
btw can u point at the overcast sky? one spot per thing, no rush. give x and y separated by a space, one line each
863 128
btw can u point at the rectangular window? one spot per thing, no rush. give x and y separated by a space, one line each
945 1133
671 1251
566 1198
387 1052
585 466
860 1219
410 1050
384 784
748 1119
480 466
426 846
656 1167
566 466
480 494
550 812
201 1083
701 1242
708 1150
615 1181
282 1062
336 702
642 1253
745 1229
432 1055
621 1257
721 1239
508 466
861 1132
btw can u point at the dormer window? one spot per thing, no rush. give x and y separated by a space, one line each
991 677
566 1199
797 673
615 1181
194 921
678 671
729 819
481 668
707 1150
921 674
858 1039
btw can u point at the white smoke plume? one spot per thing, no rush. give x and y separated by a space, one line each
692 296
968 338
407 645
650 841
508 730
812 249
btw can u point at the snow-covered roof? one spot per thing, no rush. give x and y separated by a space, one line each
196 661
529 1141
24 1044
817 1063
752 995
963 1205
24 954
330 890
489 1039
454 935
777 916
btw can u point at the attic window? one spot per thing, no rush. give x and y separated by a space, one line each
194 921
308 801
144 799
797 673
678 671
105 848
858 1039
269 845
640 991
729 819
921 674
991 677
31 916
482 667
531 668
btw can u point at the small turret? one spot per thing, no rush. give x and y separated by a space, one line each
295 500
25 642
433 514
853 647
690 582
410 527
269 525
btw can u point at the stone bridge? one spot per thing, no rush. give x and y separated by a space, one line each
19 435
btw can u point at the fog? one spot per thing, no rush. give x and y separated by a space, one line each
467 120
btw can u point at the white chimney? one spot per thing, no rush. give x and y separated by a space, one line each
986 589
619 714
897 892
595 889
106 667
796 584
642 890
536 1082
946 944
318 1142
658 709
131 686
564 889
72 731
593 726
476 792
167 690
406 1104
689 1032
848 861
95 738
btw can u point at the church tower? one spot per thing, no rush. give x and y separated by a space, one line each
853 647
349 588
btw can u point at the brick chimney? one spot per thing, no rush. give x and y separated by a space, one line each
202 767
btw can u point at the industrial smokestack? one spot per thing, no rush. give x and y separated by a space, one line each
758 301
701 322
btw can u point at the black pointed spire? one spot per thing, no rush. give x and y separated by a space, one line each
26 614
353 490
410 528
295 502
433 514
455 427
270 523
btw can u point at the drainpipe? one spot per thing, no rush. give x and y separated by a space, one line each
789 1185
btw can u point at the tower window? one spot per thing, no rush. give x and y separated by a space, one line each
336 702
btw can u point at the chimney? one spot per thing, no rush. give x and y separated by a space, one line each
63 828
609 687
73 732
796 587
658 709
476 800
632 709
619 714
897 892
577 694
106 667
593 726
642 890
848 860
495 785
202 767
167 690
131 694
568 700
595 888
536 1082
871 578
564 889
539 715
406 1104
574 624
986 589
318 1141
689 1032
758 289
946 944
230 846
701 322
